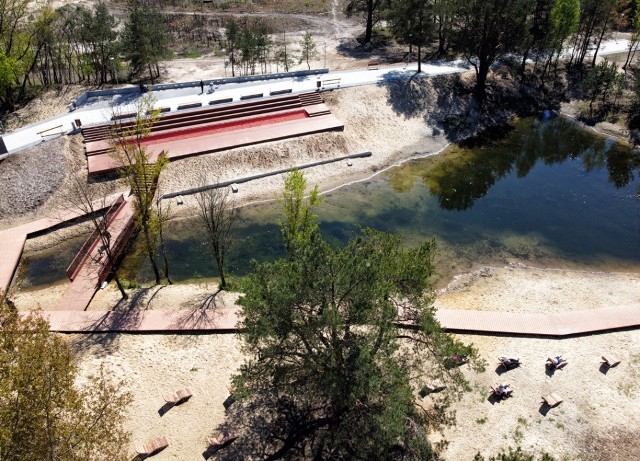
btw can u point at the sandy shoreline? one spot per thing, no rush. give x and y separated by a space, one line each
155 364
595 402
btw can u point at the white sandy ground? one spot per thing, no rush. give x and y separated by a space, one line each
156 364
604 403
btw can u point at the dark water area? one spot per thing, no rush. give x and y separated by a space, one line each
49 266
544 192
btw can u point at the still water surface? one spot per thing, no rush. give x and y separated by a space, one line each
543 192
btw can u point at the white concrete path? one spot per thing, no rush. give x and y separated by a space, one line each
32 134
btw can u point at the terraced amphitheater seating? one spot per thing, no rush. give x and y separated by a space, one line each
224 126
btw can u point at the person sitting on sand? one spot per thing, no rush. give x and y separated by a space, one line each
555 361
503 390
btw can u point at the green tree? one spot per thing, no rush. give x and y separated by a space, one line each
282 56
300 221
537 31
634 40
601 81
18 30
487 30
141 174
43 414
370 9
443 14
565 17
595 19
322 329
100 37
412 23
145 39
232 38
308 50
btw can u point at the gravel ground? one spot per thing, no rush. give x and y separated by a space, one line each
30 177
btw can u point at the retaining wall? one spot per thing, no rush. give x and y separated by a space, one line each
82 99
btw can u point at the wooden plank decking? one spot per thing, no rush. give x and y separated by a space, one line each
91 273
226 320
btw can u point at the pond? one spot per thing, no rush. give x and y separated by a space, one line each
547 192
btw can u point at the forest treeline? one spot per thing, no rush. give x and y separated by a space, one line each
75 44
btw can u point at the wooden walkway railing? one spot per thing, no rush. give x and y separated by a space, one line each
93 239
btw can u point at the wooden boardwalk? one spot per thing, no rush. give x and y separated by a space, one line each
91 272
12 240
461 321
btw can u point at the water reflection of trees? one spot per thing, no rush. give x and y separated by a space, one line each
467 171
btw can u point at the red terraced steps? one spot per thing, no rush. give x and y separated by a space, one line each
227 140
218 128
222 127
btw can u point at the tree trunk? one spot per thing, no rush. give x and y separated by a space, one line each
595 54
419 58
369 27
441 38
120 287
481 79
163 248
150 254
223 282
523 65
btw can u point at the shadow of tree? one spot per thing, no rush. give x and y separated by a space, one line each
447 103
270 428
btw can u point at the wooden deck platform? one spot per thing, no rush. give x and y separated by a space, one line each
223 140
216 128
94 267
227 320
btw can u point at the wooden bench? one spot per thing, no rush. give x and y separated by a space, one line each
221 439
331 82
161 110
178 396
42 133
553 400
124 116
251 96
152 447
372 65
220 101
277 92
610 361
190 105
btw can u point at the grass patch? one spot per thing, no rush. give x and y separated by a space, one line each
518 435
481 420
130 284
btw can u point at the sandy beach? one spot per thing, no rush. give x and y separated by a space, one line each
597 404
599 407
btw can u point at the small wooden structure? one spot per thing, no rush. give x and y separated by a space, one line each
610 361
553 400
178 396
221 439
152 447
